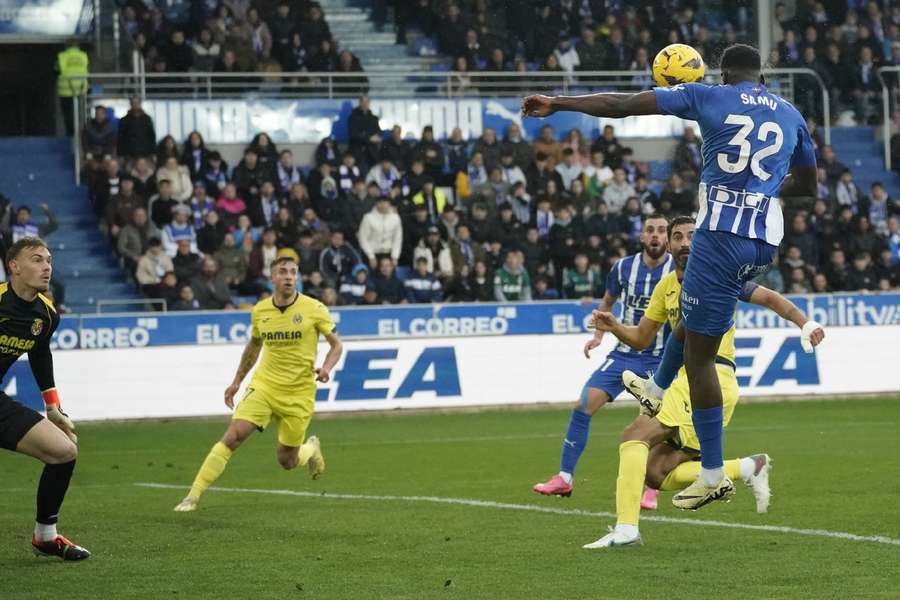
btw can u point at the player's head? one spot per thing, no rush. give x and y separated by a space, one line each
680 233
653 235
28 262
284 274
741 62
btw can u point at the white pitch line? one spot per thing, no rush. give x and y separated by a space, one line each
574 512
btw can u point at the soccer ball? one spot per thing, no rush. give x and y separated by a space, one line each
677 63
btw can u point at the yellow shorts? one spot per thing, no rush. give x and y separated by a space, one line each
676 406
293 412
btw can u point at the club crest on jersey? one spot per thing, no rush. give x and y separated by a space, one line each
37 327
298 319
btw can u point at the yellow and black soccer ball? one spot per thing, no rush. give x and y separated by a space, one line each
676 64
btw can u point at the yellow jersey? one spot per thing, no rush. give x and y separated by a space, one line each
665 306
290 339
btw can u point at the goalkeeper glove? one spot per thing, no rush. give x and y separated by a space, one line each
805 334
56 416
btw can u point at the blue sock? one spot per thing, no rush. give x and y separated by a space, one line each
708 425
576 440
672 360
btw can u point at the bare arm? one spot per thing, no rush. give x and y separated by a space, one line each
606 305
323 373
778 304
638 336
606 104
248 359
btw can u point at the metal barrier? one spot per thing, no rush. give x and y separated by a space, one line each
890 96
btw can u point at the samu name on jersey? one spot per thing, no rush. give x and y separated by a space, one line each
632 281
752 138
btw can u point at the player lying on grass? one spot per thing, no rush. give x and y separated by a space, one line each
286 327
674 463
632 281
756 151
27 322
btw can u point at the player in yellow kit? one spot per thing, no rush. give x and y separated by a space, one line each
286 328
643 455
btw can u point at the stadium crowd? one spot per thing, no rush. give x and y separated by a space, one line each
235 36
390 219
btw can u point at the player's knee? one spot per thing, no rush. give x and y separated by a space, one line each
287 462
63 453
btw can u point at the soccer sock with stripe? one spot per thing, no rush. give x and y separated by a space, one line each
211 469
708 424
574 443
630 483
50 494
686 473
672 360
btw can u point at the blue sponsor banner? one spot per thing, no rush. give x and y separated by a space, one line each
308 121
433 321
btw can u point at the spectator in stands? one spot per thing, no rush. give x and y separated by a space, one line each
231 261
162 204
383 175
452 32
165 149
289 174
433 199
186 300
833 167
353 288
195 155
178 176
430 152
591 54
98 139
617 191
215 174
211 234
365 133
422 286
436 252
566 54
206 51
511 281
259 262
489 148
865 87
547 145
134 238
800 236
390 289
106 186
648 199
877 208
25 226
564 239
180 228
321 232
618 53
338 259
210 288
186 262
523 153
381 233
266 152
676 198
463 249
230 206
862 276
510 171
569 169
152 266
580 281
837 271
688 156
396 149
264 208
179 55
457 151
846 193
864 239
481 283
347 173
144 176
136 136
287 232
250 174
121 207
609 145
200 204
351 85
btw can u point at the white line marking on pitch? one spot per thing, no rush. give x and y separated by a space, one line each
574 512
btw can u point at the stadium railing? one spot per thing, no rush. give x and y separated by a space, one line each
889 77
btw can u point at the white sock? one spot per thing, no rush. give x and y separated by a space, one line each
567 477
44 533
628 531
653 389
748 465
712 477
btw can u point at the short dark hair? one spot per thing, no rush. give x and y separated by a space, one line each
741 57
23 243
679 220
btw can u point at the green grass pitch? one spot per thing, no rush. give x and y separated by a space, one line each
836 469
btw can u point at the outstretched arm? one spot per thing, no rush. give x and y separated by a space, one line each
812 333
638 336
606 104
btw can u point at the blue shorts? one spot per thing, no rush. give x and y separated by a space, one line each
609 376
719 264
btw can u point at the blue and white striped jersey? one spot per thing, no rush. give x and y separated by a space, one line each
632 282
751 140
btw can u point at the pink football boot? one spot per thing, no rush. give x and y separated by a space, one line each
648 500
555 486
